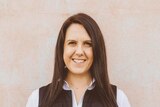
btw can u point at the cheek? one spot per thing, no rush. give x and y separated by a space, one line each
67 53
89 53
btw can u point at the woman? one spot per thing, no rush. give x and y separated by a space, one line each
80 72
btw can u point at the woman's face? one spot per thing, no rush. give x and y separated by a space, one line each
78 53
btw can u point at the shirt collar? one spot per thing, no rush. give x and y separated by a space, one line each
90 87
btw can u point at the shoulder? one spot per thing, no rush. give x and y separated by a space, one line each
45 88
36 95
33 99
122 99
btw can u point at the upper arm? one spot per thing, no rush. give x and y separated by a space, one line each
122 99
33 99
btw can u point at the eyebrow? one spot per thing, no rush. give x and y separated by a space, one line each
75 40
70 40
88 41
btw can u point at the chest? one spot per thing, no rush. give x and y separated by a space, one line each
90 99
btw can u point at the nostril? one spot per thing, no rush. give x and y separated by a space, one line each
79 55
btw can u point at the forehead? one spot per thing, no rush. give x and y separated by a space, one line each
77 31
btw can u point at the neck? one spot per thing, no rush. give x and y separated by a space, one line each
78 81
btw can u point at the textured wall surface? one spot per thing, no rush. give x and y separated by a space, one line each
28 33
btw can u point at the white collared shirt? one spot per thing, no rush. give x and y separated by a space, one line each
74 102
122 99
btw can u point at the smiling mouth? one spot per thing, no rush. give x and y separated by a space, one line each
79 60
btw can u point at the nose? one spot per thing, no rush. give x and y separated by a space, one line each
79 51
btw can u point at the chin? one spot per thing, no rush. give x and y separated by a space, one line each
79 72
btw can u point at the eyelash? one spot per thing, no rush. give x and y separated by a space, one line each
90 44
74 43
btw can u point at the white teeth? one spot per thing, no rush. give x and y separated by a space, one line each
78 60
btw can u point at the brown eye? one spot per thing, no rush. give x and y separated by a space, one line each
88 44
72 43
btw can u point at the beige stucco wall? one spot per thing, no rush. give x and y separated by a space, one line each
29 29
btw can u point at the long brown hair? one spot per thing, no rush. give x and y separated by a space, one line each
98 69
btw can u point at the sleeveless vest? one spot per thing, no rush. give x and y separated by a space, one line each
91 97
